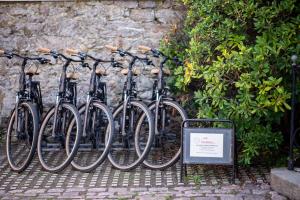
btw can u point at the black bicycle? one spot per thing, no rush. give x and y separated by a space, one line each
168 115
97 118
122 153
23 127
53 135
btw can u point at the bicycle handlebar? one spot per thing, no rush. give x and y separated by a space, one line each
10 55
55 54
123 53
156 53
83 56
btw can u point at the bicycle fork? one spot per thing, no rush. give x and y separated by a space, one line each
58 108
159 112
125 136
87 106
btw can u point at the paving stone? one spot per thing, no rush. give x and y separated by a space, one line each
205 198
71 197
35 191
138 189
97 189
56 190
118 190
231 197
158 189
75 189
260 191
254 197
15 191
276 196
25 194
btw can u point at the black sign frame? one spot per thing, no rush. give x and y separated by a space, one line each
231 151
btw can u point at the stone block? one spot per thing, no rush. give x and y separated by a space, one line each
142 15
286 182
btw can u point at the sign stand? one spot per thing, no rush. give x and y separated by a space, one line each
208 145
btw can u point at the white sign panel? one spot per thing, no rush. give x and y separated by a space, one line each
206 145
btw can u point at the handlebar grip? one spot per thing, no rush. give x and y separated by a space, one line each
43 50
112 48
71 51
1 52
144 48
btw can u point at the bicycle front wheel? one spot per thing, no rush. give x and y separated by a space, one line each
166 147
122 153
52 145
93 147
21 138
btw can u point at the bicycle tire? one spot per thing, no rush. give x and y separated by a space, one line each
143 155
35 126
174 159
108 138
69 158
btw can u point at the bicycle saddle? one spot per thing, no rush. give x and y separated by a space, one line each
72 75
155 71
101 71
135 71
32 70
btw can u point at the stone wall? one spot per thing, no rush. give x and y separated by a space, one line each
86 25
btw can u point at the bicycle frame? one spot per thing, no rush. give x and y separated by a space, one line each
128 95
25 90
92 94
61 96
20 93
160 92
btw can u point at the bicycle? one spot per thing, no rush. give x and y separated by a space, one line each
122 153
97 117
23 127
53 136
168 115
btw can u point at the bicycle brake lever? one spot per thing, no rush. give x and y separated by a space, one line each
178 62
8 54
117 64
150 62
44 60
86 65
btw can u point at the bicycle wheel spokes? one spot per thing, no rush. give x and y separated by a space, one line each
52 147
21 137
165 149
123 154
93 147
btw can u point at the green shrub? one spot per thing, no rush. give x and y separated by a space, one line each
237 65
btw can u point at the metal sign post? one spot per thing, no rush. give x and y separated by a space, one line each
207 145
295 69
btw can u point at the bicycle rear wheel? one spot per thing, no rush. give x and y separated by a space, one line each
21 138
166 148
93 147
122 153
51 148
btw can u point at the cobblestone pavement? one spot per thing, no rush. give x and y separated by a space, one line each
232 192
108 183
